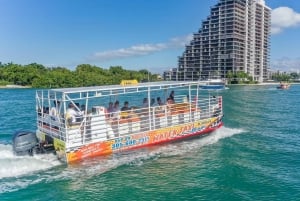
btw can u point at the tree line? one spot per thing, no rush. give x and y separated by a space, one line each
287 77
39 76
245 78
239 78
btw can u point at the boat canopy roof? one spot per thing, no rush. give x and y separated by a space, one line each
132 87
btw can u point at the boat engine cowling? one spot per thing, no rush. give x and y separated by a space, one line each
24 143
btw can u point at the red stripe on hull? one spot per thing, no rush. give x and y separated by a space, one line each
186 136
106 150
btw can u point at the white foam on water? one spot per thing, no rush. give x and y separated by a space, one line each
184 147
15 166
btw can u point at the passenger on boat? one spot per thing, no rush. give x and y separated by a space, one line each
185 99
169 104
160 109
46 110
145 108
110 109
152 102
73 116
45 113
169 110
116 110
125 107
55 109
172 96
170 101
145 102
159 102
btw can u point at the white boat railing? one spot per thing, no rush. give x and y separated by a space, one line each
101 125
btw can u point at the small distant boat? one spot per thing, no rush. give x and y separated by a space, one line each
283 86
212 84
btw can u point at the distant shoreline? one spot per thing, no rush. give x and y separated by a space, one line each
13 86
262 84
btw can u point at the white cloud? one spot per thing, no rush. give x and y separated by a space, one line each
286 64
142 49
284 17
180 41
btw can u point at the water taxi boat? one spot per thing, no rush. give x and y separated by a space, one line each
77 123
212 84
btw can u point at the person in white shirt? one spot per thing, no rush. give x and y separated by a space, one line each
55 109
116 111
71 114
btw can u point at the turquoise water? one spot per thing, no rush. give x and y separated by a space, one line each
255 156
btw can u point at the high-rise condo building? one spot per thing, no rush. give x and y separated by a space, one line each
235 37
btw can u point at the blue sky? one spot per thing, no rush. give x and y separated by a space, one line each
135 34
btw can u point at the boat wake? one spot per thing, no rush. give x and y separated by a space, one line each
19 172
188 146
15 166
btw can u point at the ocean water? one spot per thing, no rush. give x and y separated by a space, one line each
255 156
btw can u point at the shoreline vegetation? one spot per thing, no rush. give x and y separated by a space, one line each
84 75
11 86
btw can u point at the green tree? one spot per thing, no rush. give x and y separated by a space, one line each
39 76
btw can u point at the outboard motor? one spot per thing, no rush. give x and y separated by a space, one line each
24 143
